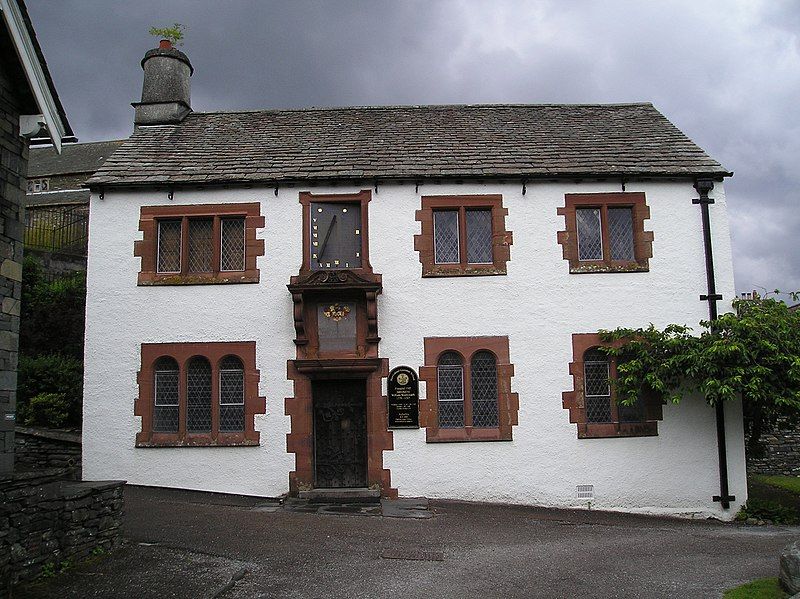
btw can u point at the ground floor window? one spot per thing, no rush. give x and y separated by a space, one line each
469 394
198 394
592 403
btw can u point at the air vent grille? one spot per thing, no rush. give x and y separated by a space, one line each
585 491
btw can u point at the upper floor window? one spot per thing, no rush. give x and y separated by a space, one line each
463 235
38 185
605 232
199 244
593 405
469 394
198 394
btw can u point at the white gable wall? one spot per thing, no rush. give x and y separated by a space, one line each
538 305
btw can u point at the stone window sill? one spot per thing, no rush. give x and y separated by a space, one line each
465 435
613 430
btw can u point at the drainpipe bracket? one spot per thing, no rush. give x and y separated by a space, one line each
703 200
713 296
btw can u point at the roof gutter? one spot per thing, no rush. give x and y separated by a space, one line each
624 178
49 119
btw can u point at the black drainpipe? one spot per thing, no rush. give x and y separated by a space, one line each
703 186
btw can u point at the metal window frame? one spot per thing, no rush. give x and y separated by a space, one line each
159 222
222 219
608 395
155 389
633 234
228 371
599 210
458 235
491 233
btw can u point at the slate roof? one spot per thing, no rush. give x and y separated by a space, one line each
58 198
74 158
408 142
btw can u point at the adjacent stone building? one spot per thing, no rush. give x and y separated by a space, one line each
29 110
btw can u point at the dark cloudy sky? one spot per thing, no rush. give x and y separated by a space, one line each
727 72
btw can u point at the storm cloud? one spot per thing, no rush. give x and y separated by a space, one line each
725 72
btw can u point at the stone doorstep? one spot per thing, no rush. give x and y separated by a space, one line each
350 495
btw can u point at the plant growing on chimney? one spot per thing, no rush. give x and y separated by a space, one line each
174 34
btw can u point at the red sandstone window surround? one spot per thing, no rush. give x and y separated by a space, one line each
592 404
463 235
468 382
198 394
605 232
199 244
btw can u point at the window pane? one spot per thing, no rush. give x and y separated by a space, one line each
484 390
597 392
198 396
620 233
231 395
165 412
445 233
590 241
169 246
479 236
634 413
201 248
232 244
450 386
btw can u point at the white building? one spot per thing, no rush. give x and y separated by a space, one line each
481 246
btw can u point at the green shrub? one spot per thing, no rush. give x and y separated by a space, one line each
53 312
51 374
47 409
764 509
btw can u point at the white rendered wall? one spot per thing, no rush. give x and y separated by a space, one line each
538 305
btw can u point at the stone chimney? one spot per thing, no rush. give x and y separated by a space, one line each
165 93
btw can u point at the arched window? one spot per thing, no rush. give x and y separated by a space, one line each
450 378
165 393
198 395
484 390
597 391
231 395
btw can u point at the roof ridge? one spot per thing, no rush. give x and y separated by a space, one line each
435 106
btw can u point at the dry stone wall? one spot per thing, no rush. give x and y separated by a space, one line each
46 520
781 452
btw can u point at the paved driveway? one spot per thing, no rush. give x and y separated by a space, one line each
182 544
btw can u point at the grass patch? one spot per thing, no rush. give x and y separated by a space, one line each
763 588
789 483
772 499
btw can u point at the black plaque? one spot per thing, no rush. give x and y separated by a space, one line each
403 398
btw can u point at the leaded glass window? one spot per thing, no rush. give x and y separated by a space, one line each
590 238
165 410
450 386
198 395
201 246
169 246
484 390
232 244
231 395
479 236
445 234
620 233
597 389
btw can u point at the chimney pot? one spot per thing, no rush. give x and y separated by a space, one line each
166 87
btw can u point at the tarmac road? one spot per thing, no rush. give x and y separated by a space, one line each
186 544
